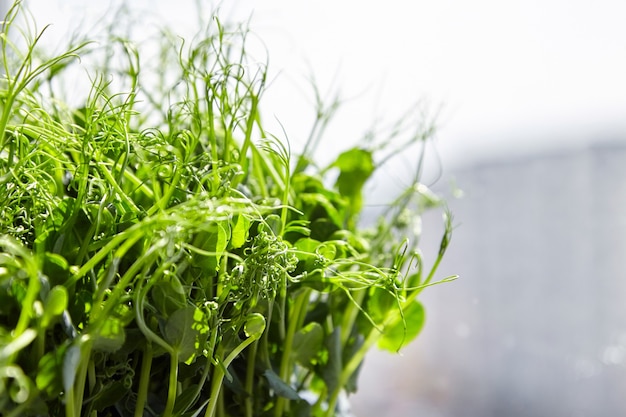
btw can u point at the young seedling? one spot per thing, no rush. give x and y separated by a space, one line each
157 259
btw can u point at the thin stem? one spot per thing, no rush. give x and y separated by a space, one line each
70 403
144 380
249 127
81 374
299 306
173 382
350 368
351 315
249 387
125 198
218 376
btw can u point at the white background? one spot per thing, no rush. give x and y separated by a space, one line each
500 75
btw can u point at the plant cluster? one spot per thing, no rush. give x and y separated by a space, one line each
161 253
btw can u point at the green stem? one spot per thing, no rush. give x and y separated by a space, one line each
138 185
5 117
39 345
122 195
249 387
220 405
26 313
91 374
218 376
295 322
77 391
249 126
104 252
258 173
19 410
144 380
285 202
349 369
350 316
162 202
445 241
141 323
213 139
171 392
69 403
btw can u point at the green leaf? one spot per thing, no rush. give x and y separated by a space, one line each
323 229
319 199
18 289
355 345
355 164
56 260
301 408
279 386
55 304
331 372
213 240
398 332
381 302
111 335
49 378
255 325
55 221
109 395
307 343
55 267
185 399
306 248
187 330
168 295
355 167
240 227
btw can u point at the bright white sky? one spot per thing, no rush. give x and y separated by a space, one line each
508 74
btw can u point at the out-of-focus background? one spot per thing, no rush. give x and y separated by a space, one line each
530 99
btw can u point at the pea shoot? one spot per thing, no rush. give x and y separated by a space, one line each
158 259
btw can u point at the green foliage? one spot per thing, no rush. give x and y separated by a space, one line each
355 168
157 259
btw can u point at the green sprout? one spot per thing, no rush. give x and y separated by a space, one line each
158 259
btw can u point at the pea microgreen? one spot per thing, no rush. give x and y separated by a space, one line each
162 254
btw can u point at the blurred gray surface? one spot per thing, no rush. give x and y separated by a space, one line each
536 325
